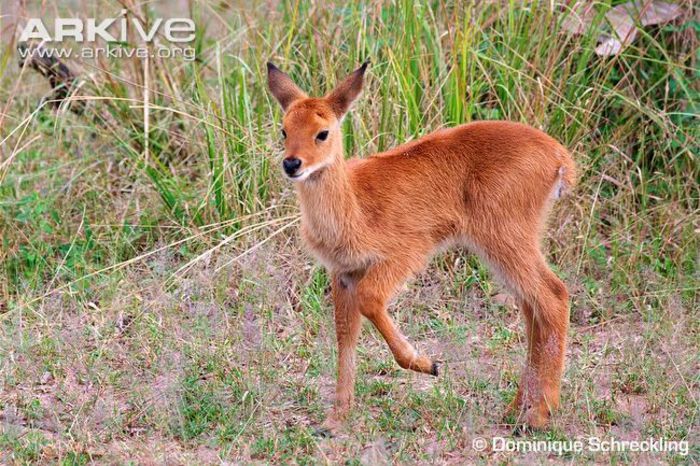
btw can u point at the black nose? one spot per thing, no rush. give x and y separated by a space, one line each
291 165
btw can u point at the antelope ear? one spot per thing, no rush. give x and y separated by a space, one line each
346 92
282 87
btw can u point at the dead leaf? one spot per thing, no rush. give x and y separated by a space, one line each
622 23
660 12
623 20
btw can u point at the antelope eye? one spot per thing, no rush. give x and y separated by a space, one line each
322 136
284 134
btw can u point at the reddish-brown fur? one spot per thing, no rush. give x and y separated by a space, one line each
375 222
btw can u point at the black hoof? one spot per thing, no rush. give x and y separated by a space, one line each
434 369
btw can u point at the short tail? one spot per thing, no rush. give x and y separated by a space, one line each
566 178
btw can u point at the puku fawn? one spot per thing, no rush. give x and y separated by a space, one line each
375 222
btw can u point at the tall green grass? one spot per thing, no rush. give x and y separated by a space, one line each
213 141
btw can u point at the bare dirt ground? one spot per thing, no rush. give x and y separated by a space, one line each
238 367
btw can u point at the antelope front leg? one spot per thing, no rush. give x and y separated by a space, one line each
373 294
347 329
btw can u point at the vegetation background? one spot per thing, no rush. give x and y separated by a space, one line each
156 304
